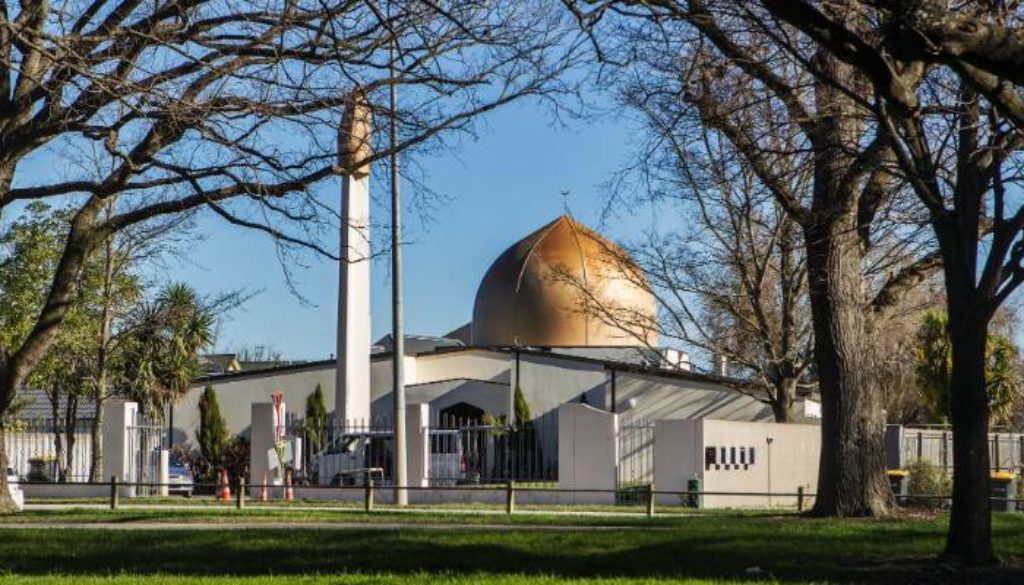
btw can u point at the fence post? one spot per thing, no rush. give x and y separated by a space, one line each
240 499
368 503
510 498
113 492
799 498
650 500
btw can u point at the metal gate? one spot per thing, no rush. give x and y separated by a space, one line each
636 460
467 452
143 464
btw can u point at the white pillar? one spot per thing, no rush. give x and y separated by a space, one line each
417 420
263 436
588 452
164 474
118 417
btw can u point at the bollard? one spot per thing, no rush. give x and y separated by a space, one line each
510 498
800 498
650 500
113 492
240 500
368 504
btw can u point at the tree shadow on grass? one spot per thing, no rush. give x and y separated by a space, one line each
788 551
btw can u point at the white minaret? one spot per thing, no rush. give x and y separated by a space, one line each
352 390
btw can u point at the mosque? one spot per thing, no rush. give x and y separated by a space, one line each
563 315
531 332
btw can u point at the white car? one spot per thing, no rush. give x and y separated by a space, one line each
15 489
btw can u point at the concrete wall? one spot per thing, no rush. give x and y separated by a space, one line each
476 364
588 452
785 458
237 396
492 398
665 397
678 456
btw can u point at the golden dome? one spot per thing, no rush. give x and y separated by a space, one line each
551 287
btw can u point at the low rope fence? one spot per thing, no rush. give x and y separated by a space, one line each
510 490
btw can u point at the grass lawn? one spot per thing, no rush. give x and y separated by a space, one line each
299 514
424 578
714 547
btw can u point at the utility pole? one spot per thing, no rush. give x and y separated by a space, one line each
397 324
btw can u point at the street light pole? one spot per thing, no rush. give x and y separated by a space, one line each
397 321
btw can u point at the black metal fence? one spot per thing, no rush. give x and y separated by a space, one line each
473 452
461 452
337 454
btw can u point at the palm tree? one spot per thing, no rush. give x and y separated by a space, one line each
164 359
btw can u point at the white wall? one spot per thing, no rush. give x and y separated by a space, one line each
478 364
492 398
678 449
548 382
236 395
785 459
588 452
668 397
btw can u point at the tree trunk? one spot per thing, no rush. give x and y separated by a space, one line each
851 473
6 502
70 428
96 445
970 524
58 435
782 404
102 355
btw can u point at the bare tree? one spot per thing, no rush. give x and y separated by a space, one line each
736 73
946 83
730 277
233 108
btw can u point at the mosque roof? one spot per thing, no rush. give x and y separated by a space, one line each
561 286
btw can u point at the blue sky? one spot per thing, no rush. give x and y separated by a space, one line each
501 186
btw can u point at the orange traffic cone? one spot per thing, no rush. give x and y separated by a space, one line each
289 493
225 488
264 496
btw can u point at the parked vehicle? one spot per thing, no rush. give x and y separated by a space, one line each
179 478
352 457
15 489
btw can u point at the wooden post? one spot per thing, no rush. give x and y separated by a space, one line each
650 500
240 499
113 492
510 498
800 498
368 503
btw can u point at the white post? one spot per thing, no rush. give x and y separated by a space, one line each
352 390
263 439
118 417
417 421
164 474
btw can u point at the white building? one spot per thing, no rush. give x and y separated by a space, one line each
540 323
